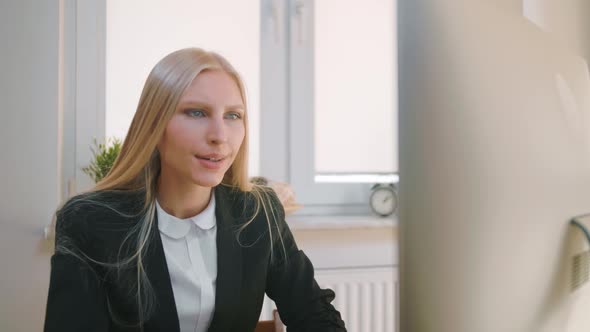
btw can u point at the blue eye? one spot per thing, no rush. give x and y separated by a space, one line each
234 116
196 113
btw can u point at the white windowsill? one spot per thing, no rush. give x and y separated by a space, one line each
339 222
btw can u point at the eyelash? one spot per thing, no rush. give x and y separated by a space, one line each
238 116
190 112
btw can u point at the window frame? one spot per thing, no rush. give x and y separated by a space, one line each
82 62
287 106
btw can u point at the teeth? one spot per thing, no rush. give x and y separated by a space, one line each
210 159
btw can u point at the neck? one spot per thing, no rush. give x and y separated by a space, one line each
180 199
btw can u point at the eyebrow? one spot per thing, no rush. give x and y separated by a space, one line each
205 105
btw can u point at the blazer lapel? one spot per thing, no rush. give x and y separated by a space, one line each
165 317
229 263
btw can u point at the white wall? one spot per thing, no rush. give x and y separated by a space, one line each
140 33
29 170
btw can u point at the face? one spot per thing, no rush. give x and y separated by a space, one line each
205 133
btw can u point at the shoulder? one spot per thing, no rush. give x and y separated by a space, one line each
261 201
83 216
85 205
260 211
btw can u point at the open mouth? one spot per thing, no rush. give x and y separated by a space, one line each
215 160
210 159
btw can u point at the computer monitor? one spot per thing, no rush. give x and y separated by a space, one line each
494 162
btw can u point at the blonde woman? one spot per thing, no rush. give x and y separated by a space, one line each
175 238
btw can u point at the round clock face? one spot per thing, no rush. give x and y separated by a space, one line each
383 201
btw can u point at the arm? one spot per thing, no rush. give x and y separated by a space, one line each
302 304
76 299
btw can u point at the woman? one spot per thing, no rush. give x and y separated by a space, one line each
175 238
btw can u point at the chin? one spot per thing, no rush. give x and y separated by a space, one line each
209 182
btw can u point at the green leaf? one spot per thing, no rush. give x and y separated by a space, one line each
103 158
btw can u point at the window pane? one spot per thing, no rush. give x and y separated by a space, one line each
355 93
140 32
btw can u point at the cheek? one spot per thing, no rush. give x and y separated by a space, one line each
179 136
238 139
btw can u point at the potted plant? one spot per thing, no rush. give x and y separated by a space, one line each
103 158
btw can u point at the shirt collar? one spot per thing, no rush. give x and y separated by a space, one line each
177 228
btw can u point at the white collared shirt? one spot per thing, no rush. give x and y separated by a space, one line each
190 248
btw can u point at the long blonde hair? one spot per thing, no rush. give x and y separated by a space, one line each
137 167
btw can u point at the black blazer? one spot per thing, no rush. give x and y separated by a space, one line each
81 293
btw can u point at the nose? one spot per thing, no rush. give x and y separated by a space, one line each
217 131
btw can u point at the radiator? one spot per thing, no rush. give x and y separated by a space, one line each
366 298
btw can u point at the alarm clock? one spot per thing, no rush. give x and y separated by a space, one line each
383 200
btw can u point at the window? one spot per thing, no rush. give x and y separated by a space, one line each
321 78
329 99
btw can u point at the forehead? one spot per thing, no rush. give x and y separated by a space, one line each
213 87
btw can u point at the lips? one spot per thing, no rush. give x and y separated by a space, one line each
211 162
211 157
